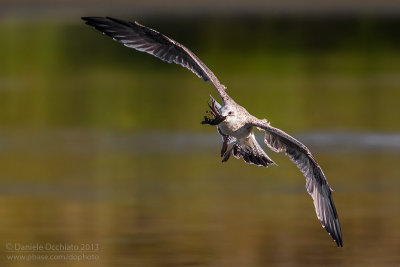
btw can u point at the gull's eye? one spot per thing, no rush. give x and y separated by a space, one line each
230 113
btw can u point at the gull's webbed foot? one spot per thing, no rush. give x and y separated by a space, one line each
217 117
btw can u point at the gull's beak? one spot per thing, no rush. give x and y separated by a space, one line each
220 119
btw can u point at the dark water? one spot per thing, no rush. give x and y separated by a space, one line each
101 148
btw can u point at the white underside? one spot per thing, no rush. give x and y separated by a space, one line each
234 128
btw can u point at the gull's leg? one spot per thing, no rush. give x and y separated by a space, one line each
227 155
224 145
217 117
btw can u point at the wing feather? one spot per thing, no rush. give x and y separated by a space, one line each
251 152
145 39
316 183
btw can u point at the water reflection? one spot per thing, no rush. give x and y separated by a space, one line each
171 203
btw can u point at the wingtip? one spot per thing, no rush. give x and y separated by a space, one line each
339 243
85 19
89 18
337 235
339 240
99 18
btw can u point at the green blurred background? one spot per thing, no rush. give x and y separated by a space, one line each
101 144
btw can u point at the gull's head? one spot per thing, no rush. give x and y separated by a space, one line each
228 112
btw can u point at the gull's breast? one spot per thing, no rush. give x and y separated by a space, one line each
235 128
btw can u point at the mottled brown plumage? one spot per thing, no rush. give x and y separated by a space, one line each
234 123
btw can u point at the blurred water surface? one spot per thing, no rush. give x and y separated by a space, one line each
102 144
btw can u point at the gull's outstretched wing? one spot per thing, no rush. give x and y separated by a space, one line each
316 183
145 39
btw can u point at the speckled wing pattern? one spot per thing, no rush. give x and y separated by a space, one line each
144 39
316 183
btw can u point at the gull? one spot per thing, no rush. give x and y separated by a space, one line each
234 123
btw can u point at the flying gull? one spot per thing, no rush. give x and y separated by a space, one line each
234 123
